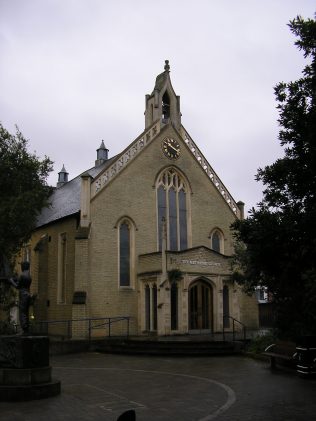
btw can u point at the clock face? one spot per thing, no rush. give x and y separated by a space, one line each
171 148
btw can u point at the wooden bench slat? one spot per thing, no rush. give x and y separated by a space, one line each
276 355
280 351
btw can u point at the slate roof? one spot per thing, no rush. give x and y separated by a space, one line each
65 200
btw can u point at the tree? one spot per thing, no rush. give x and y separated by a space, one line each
276 245
23 191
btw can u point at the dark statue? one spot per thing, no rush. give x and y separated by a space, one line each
25 372
22 284
128 416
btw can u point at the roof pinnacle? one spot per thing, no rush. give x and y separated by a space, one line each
102 146
167 67
63 169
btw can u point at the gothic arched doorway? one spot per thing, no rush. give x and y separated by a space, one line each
200 305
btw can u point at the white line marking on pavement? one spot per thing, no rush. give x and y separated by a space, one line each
231 396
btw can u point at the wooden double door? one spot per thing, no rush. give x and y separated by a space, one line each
200 306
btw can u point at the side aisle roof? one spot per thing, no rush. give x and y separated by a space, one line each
65 200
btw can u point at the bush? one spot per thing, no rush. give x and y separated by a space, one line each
260 343
7 301
7 328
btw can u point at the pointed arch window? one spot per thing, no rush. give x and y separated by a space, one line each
217 241
151 316
126 252
62 268
172 206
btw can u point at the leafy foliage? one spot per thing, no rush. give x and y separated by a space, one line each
7 301
276 244
174 275
23 191
258 344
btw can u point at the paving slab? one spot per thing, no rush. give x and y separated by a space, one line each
99 386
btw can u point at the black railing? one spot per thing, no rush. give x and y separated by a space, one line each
86 326
239 333
106 324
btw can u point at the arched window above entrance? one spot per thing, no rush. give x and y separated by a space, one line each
173 208
217 241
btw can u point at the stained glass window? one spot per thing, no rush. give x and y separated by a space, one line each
172 206
173 231
183 220
162 205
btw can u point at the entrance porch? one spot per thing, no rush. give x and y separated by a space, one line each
187 292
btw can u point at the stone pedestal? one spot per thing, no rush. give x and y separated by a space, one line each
25 373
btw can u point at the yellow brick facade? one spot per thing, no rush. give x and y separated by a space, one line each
125 191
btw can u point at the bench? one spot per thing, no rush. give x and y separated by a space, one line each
282 353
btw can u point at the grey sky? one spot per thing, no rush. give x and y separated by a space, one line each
74 72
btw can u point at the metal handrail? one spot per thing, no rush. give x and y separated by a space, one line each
109 322
243 326
106 322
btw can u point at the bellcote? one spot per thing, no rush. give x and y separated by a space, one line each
62 177
102 154
163 103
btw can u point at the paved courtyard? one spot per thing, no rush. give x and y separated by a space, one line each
100 387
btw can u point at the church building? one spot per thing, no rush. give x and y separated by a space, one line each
144 234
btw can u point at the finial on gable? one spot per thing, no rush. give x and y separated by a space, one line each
167 67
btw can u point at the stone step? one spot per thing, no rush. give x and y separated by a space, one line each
150 347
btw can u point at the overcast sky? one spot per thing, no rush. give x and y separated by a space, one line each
74 72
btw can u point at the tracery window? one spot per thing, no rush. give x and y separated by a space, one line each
172 208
